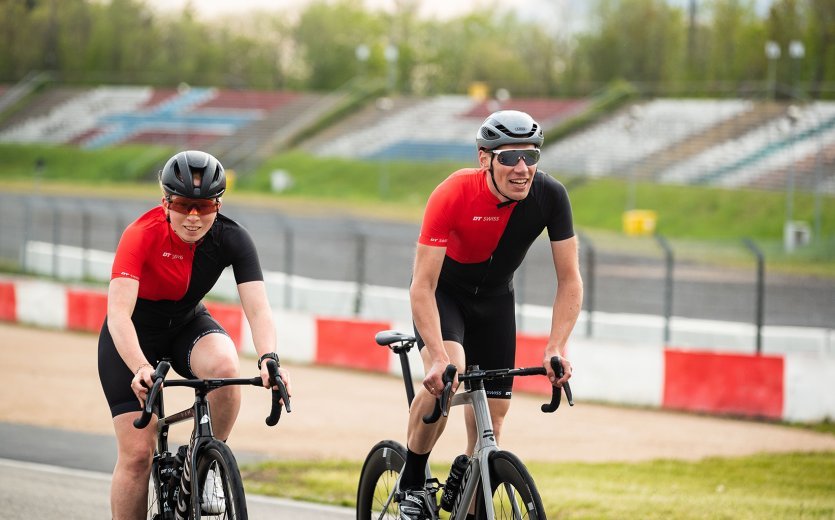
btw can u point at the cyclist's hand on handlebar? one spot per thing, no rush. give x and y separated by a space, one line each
142 382
282 372
552 376
433 382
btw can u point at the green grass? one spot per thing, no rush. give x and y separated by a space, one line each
367 182
702 223
796 485
118 165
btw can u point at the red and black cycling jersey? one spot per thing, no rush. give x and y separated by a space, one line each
487 241
174 275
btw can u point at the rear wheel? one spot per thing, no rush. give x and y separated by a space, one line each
219 483
515 496
378 482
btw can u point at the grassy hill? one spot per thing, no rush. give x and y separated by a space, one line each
700 218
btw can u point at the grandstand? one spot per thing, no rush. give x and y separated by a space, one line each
727 143
439 128
192 117
733 143
769 151
637 132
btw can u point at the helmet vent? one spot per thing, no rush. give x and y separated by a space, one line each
523 135
177 172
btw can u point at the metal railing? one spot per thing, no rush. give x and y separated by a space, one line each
627 277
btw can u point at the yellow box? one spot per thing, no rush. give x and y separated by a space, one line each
478 90
639 222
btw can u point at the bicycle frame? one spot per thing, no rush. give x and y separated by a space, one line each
200 412
202 432
485 445
477 470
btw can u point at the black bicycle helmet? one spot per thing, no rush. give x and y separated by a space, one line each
177 178
508 127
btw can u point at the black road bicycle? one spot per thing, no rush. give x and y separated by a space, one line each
176 486
492 481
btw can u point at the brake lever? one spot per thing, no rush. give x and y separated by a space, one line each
556 393
157 377
442 402
279 396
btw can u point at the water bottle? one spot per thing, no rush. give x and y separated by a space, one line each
453 482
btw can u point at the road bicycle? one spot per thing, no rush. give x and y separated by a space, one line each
492 481
178 479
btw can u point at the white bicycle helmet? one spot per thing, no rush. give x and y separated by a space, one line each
508 127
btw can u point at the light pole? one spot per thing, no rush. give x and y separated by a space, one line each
363 53
818 160
384 105
796 52
633 118
793 116
772 52
182 89
391 54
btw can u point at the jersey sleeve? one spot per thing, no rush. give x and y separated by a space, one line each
437 218
245 263
130 254
560 222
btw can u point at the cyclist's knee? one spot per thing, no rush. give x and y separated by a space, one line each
215 356
135 459
221 366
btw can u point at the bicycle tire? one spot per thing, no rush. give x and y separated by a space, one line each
515 496
218 456
155 505
378 479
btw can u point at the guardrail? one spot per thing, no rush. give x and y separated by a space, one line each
643 288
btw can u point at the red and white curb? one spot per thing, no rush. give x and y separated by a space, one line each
790 386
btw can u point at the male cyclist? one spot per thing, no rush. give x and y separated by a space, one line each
166 262
476 230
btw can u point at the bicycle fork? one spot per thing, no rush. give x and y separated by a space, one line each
478 471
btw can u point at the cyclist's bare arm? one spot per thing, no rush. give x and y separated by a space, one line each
567 304
121 300
427 270
258 312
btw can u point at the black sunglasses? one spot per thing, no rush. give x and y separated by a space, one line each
511 157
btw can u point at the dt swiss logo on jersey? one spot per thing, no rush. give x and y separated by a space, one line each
486 219
172 256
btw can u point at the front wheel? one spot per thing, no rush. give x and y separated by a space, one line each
219 483
378 482
156 506
514 493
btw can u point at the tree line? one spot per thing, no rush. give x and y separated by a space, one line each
700 47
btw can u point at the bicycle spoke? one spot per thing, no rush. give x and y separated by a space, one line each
378 482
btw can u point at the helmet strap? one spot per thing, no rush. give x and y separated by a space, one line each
509 200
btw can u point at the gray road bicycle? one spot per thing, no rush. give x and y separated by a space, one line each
176 488
492 481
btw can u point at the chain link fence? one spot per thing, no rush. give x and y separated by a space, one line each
667 284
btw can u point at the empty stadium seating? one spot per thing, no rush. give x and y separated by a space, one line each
732 143
780 147
105 116
612 146
439 128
